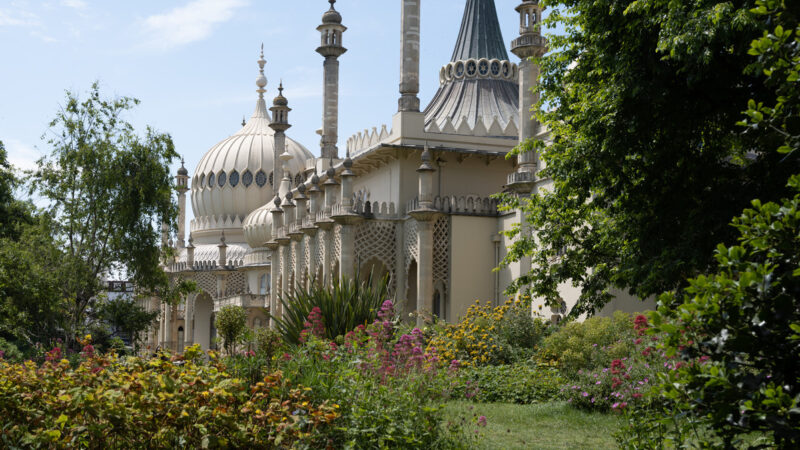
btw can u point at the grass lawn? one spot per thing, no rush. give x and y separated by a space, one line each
544 426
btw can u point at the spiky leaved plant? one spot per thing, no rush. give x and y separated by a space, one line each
344 306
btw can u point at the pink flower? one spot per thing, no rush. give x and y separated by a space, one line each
482 421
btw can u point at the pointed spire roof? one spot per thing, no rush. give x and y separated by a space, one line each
480 35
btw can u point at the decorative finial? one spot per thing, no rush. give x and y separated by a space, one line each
261 81
243 121
182 161
280 88
222 237
331 2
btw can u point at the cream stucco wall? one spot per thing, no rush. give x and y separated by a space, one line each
472 250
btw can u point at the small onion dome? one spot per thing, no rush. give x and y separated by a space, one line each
258 226
331 15
280 100
182 171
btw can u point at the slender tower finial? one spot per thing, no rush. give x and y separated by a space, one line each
261 81
331 31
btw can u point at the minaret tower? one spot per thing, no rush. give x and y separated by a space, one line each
182 187
529 44
280 123
409 54
331 48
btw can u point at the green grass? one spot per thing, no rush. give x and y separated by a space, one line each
552 425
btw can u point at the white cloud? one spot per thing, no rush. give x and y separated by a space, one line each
190 23
18 18
75 4
21 155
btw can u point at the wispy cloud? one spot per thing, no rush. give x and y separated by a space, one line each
18 18
75 4
192 22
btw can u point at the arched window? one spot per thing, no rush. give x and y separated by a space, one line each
247 178
211 179
222 178
202 180
272 180
234 178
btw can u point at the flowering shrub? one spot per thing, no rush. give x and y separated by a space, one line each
108 402
386 382
623 382
491 336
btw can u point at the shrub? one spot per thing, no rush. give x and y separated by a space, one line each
108 402
737 334
590 344
385 383
515 383
231 324
624 383
342 307
487 335
9 351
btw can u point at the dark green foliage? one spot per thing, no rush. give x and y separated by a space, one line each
744 321
344 306
519 333
125 318
231 325
647 162
514 383
32 309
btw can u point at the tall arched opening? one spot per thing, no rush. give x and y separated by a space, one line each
203 310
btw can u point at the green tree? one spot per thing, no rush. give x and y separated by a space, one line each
108 190
125 318
738 333
30 304
647 163
231 325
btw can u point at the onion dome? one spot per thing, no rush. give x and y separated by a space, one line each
331 15
280 100
235 176
258 226
479 90
182 171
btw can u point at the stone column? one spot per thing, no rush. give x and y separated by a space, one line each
425 216
188 321
425 268
400 269
168 323
330 115
409 54
348 219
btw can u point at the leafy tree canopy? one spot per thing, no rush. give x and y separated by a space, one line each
647 161
108 190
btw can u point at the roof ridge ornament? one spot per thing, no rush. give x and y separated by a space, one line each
261 81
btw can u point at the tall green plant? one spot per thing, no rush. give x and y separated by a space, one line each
344 306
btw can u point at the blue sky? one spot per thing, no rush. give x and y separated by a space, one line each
192 63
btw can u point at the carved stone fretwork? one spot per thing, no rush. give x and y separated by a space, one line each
441 249
411 246
376 240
